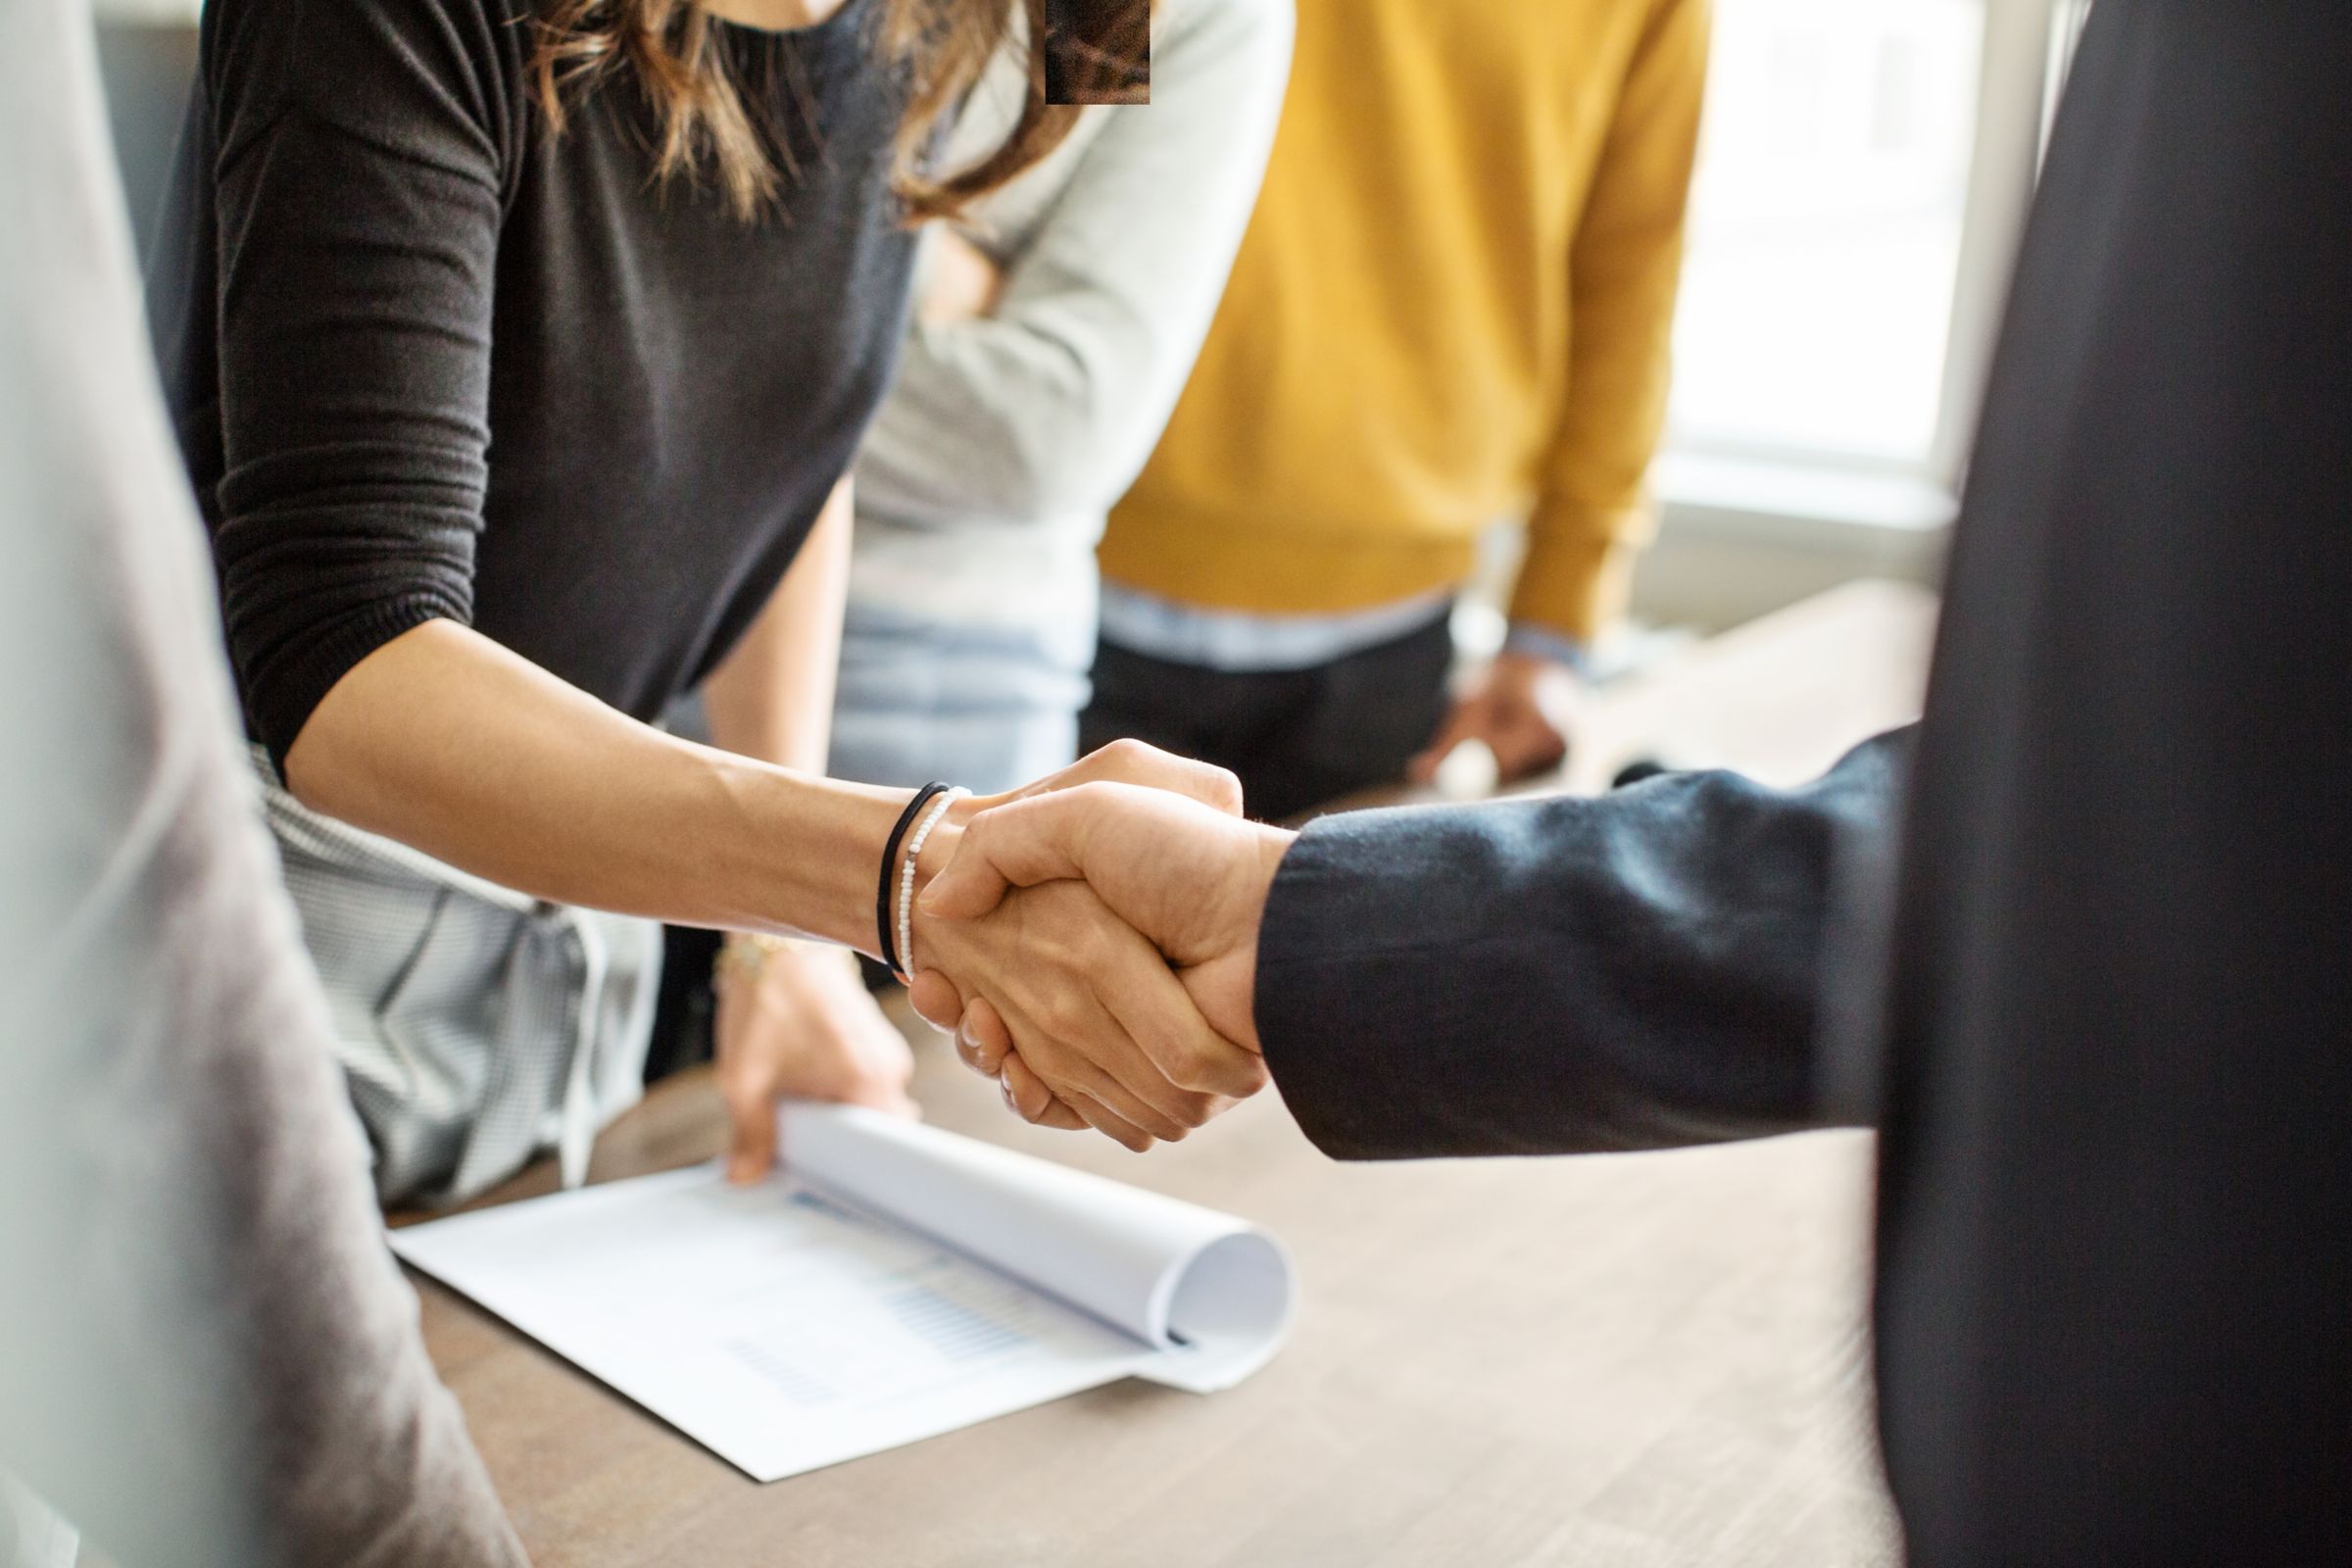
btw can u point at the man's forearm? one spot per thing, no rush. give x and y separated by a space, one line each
1562 975
456 745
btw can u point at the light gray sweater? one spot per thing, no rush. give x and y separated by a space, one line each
985 480
207 1355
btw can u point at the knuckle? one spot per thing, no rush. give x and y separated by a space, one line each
1092 795
1196 1070
1127 752
1221 787
1162 1124
1063 1017
1093 949
1019 1096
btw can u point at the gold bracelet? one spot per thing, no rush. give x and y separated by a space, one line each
750 955
745 955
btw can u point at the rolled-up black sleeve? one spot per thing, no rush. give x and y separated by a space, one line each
358 155
1561 975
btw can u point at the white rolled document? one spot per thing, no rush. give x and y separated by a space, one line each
891 1282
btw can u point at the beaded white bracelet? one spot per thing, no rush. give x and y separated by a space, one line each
914 847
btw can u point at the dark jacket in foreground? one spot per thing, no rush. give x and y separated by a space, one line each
2098 998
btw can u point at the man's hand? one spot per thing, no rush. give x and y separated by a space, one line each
1098 1012
1123 762
1522 707
1187 877
804 1028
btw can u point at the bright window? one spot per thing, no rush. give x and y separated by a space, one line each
1825 229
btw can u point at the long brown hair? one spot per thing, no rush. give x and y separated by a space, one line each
680 62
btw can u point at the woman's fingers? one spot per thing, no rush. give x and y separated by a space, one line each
985 1045
1098 1020
982 1041
936 1001
1069 952
1065 1037
750 1101
1151 1003
986 1048
1032 1102
1113 1127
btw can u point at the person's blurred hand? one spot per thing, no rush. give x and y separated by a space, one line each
1191 878
959 281
1522 707
802 1027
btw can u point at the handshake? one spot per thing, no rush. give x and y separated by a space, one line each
1091 942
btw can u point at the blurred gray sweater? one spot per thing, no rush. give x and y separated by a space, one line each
986 476
207 1356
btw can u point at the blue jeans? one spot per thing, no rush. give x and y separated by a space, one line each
989 708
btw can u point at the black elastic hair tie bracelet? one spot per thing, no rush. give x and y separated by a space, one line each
883 925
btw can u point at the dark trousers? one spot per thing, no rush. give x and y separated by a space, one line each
1296 738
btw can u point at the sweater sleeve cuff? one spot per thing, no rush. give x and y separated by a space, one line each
281 694
1559 975
1541 642
1578 575
1379 974
1318 1029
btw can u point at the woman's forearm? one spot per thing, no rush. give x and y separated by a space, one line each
456 745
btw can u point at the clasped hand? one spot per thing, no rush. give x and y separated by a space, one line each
1091 944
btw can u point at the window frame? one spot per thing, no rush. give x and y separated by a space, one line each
1811 497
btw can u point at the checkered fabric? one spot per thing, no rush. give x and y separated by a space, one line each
476 1026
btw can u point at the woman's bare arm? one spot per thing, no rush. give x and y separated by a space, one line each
449 741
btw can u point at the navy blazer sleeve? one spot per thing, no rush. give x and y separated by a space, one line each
1563 975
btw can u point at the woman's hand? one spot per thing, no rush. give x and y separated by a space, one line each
802 1027
1099 1016
1094 1004
1192 881
959 281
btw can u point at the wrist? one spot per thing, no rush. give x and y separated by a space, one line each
902 880
1538 643
754 959
1238 1003
815 847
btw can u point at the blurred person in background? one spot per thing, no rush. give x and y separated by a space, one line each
207 1358
518 350
2074 946
1055 325
1453 306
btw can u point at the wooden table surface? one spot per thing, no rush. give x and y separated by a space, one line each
1628 1361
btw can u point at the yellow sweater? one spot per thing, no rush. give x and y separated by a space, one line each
1452 305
